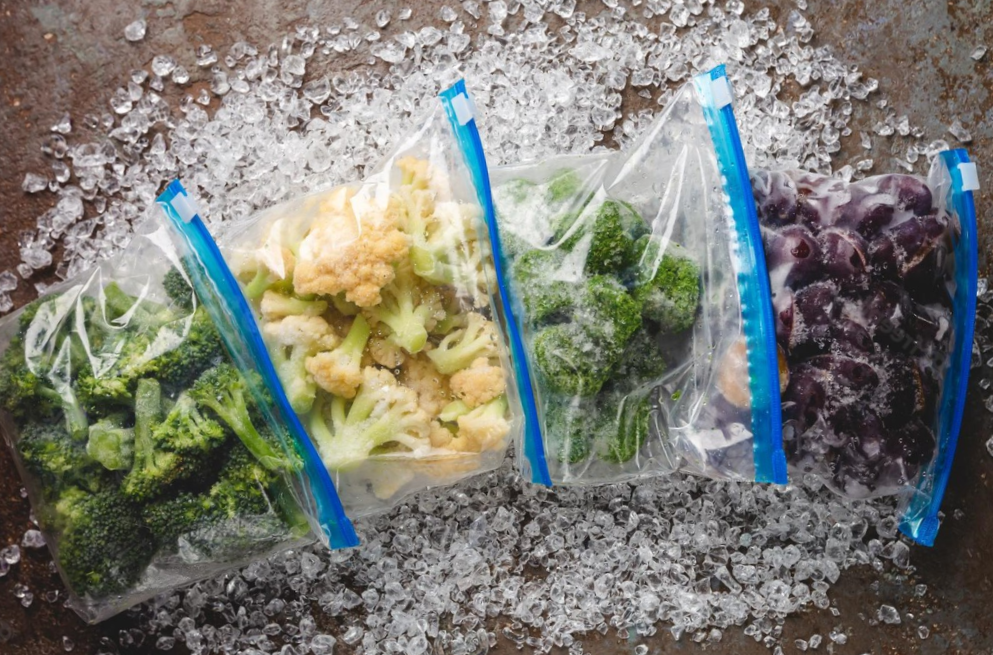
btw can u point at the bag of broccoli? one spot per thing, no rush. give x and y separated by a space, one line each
874 293
637 284
153 453
374 301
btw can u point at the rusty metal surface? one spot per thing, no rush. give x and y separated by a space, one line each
67 55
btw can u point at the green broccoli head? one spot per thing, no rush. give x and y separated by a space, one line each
607 304
102 395
50 453
104 546
574 358
564 186
611 249
668 287
23 393
201 349
179 289
516 191
641 363
186 431
567 435
553 302
625 422
535 267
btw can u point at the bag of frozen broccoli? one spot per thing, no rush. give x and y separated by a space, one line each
153 452
374 301
874 294
637 284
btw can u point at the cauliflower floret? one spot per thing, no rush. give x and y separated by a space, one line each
385 353
485 427
343 252
339 371
420 374
310 332
440 436
478 384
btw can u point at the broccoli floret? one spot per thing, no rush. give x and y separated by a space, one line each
669 287
179 288
186 431
244 512
634 225
105 546
611 247
50 453
516 190
104 394
574 358
139 314
625 425
225 392
381 413
563 186
402 311
607 304
23 393
459 348
199 350
111 443
567 434
641 362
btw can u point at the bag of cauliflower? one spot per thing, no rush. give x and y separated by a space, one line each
374 302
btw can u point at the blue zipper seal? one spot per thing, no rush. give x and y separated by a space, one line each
461 116
920 520
753 279
223 299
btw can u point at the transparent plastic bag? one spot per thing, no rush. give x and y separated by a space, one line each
375 303
874 286
153 456
638 286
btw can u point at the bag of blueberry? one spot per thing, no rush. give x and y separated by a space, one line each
636 286
151 449
874 293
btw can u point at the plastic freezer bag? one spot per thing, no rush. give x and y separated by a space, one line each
874 287
374 301
637 284
153 458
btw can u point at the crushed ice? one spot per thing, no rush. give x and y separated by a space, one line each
690 556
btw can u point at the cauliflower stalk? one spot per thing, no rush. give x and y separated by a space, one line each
365 301
383 412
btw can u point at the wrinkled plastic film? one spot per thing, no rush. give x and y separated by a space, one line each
404 255
462 119
679 397
219 292
954 178
72 436
873 286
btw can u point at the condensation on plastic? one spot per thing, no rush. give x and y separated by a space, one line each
138 271
385 479
874 287
680 178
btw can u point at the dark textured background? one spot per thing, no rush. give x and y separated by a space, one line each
68 55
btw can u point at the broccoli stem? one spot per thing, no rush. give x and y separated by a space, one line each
76 422
147 411
144 313
231 407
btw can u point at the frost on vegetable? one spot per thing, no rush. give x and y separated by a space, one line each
380 323
599 293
